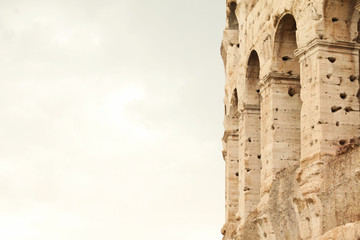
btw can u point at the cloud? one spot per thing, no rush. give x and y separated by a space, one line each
111 120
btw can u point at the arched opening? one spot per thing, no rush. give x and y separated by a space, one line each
252 79
234 101
282 104
232 19
250 141
285 45
234 111
337 17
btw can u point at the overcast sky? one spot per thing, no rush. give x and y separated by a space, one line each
111 119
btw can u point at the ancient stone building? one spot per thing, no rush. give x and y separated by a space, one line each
292 119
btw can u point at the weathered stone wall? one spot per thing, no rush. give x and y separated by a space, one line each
292 119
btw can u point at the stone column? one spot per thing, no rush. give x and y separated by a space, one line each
250 160
330 113
329 118
231 157
280 125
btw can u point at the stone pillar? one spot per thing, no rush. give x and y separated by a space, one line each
250 160
231 156
330 113
329 118
229 52
280 125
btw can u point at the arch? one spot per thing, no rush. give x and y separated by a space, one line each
232 18
252 95
234 100
338 19
233 111
250 141
284 60
281 111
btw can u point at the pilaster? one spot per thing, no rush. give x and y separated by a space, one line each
250 163
329 117
231 140
280 125
330 112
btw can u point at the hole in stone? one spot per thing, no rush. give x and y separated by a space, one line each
307 219
258 90
328 76
335 108
238 45
334 19
352 78
272 127
248 170
312 127
331 59
259 156
265 235
321 36
276 109
231 44
337 123
289 72
291 91
348 109
285 58
342 142
343 95
246 189
237 174
249 139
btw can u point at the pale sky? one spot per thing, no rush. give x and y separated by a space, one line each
111 119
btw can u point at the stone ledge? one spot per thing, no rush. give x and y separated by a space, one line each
328 44
278 76
231 133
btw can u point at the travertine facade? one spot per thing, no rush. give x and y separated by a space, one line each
292 119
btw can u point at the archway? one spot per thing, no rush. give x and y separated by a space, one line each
285 46
280 127
250 141
232 18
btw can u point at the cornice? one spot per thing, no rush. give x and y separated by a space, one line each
248 107
278 76
230 133
328 44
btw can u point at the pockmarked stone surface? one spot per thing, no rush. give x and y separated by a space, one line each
292 124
